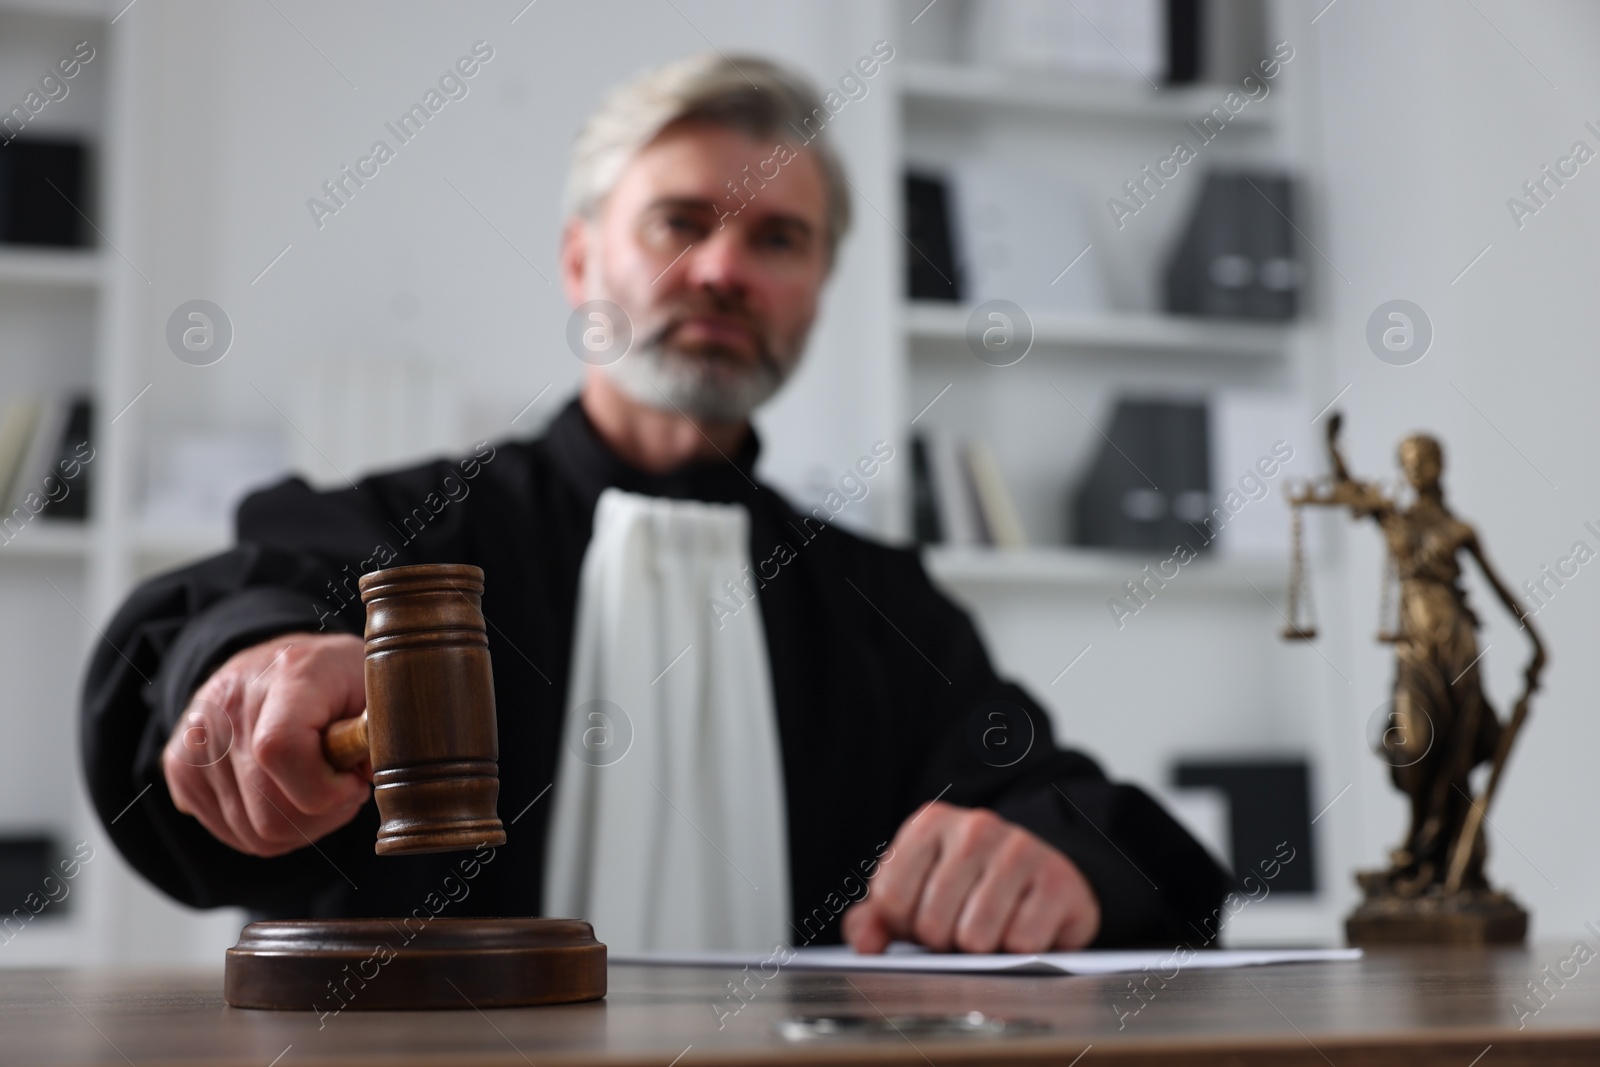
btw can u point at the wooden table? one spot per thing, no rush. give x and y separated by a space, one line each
1400 1006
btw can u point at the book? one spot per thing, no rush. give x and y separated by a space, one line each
16 433
70 452
931 271
995 504
40 458
958 512
925 526
1185 30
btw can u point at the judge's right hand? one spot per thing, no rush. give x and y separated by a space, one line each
246 756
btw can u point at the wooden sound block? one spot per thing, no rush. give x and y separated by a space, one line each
330 965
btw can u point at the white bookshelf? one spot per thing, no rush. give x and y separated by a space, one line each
45 539
202 231
51 269
71 320
1200 670
1061 570
970 87
82 9
1089 134
52 303
1130 333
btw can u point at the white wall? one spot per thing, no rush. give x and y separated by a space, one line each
1434 114
446 259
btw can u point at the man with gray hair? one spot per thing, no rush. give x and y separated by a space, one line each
753 728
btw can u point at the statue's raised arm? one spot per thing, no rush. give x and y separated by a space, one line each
1341 490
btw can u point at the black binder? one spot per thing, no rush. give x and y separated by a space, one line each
42 186
1150 483
1236 258
24 866
1269 805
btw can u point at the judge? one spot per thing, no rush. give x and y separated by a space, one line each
723 723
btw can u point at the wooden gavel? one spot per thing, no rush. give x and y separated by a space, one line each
429 730
429 726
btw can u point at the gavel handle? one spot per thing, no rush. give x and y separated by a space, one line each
345 742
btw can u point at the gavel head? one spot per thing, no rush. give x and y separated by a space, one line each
430 709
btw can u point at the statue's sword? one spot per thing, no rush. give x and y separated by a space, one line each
1462 854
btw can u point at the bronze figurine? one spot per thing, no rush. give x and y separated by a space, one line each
1441 725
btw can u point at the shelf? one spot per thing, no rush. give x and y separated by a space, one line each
80 9
976 87
166 544
1063 567
1115 332
53 268
43 539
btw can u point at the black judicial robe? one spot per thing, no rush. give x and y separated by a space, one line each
877 678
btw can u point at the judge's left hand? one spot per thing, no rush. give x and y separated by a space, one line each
964 879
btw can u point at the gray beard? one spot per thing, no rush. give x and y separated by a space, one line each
700 386
667 378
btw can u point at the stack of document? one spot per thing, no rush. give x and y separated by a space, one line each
902 957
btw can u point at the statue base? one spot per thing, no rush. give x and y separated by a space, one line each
1467 917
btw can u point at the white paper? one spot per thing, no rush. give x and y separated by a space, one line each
903 957
1017 232
1246 427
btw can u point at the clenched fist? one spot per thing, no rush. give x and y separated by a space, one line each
246 756
964 879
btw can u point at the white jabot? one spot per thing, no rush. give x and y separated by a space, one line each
669 829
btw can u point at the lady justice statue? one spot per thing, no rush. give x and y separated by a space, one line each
1441 725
